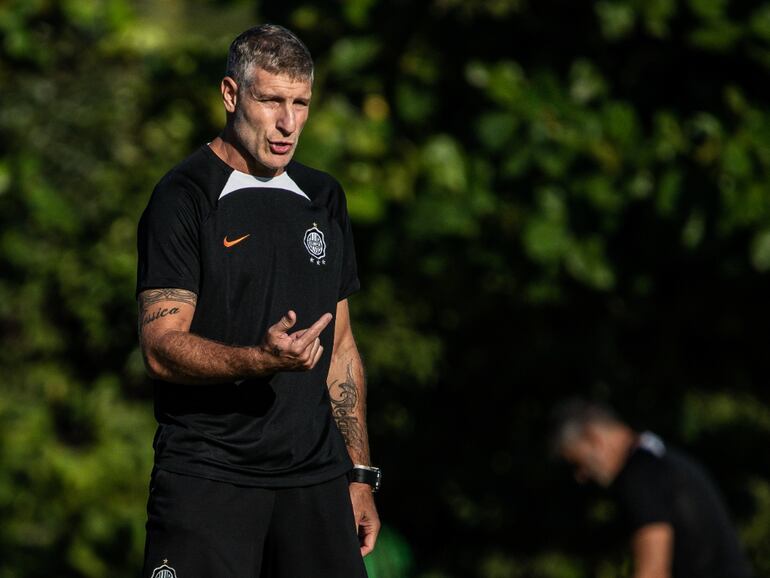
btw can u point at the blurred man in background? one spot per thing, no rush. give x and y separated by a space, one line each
677 521
246 261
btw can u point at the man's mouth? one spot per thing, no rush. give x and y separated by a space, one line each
280 147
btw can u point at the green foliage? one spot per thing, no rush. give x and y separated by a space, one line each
548 199
392 558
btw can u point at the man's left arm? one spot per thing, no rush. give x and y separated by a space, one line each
347 390
652 546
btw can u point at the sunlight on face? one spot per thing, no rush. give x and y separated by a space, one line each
269 117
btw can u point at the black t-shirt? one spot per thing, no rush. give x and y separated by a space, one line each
251 249
661 485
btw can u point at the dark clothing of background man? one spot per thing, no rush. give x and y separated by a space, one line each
660 485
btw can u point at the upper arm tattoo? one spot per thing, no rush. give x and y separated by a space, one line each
153 296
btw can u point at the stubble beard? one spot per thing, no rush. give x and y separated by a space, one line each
251 148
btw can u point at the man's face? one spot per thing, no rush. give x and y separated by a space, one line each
588 454
269 116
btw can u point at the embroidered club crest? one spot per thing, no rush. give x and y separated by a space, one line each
315 243
164 571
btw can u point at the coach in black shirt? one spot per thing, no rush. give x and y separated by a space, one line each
246 262
678 523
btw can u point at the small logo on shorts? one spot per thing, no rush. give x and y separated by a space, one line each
316 245
164 571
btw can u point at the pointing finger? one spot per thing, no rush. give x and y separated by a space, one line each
313 331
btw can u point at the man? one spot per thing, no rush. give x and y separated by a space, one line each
246 261
678 523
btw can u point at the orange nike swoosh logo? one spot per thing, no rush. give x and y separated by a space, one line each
234 241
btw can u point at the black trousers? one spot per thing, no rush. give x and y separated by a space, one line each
198 528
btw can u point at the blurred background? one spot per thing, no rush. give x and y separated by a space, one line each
548 197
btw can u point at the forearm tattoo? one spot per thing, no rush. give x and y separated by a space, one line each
344 399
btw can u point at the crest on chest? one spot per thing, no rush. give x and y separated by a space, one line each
315 244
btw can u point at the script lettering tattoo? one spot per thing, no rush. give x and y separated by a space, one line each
150 317
344 399
152 296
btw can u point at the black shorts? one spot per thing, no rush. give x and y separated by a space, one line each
198 528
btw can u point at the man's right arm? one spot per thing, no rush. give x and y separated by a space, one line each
171 353
652 547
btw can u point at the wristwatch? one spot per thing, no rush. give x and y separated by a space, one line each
366 475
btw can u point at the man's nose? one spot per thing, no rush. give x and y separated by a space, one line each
287 120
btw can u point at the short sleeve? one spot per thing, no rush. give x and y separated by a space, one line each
349 282
167 241
643 493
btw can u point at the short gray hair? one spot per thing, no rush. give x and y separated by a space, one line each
570 418
272 48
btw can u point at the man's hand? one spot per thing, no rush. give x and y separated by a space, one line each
365 514
298 351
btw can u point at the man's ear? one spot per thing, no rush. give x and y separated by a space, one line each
229 89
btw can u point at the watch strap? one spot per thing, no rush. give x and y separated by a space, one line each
366 475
